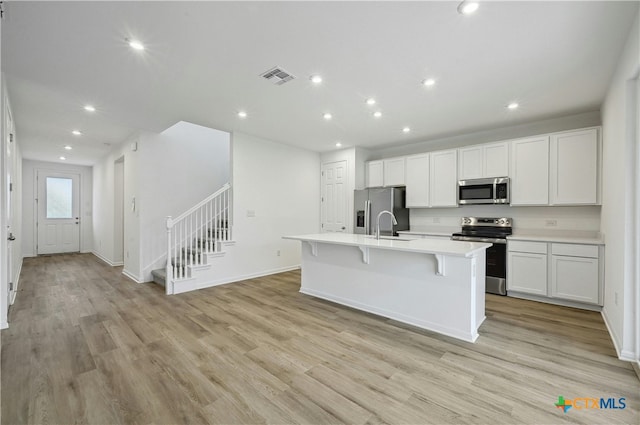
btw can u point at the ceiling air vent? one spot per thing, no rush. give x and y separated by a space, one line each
277 76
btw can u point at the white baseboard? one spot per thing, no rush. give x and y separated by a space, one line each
192 286
15 289
131 276
622 354
106 260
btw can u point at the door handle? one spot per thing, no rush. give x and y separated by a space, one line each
11 237
344 228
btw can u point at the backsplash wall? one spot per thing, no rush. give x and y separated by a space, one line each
581 219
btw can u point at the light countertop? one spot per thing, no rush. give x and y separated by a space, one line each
437 231
427 246
589 238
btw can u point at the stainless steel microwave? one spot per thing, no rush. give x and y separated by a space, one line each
483 191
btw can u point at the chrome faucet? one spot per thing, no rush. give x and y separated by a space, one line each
393 217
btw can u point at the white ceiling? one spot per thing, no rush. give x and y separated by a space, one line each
203 59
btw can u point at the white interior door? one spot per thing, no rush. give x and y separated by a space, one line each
334 197
9 205
58 212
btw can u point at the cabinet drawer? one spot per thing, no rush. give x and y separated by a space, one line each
573 250
524 246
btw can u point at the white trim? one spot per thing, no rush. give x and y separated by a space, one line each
106 260
180 287
15 289
131 276
4 325
614 336
554 301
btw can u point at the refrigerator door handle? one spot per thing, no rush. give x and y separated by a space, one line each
367 217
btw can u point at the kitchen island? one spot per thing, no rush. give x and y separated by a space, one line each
437 285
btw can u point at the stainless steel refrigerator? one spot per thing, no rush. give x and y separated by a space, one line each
368 203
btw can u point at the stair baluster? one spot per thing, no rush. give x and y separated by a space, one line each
195 233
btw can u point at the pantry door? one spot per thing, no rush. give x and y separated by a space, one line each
58 205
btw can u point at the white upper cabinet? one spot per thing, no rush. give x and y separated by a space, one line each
375 174
573 170
470 162
481 161
394 172
496 159
530 171
417 180
443 181
386 172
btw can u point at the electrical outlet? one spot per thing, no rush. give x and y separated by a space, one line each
251 213
551 223
278 253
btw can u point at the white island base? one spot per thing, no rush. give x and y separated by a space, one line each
400 280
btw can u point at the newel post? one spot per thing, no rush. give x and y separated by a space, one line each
168 279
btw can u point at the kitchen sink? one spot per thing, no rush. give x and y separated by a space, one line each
391 238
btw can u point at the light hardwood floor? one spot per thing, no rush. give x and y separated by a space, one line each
87 345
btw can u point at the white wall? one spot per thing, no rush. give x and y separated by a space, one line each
178 168
281 184
619 118
167 174
103 208
29 208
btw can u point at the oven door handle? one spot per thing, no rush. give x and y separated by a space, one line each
472 239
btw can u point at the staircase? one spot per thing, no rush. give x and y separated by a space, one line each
194 240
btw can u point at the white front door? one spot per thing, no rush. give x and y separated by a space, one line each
334 197
58 212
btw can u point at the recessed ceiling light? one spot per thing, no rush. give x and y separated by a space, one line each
327 116
428 82
89 108
513 105
242 114
371 101
68 147
406 130
136 45
77 133
316 79
63 158
338 144
468 7
377 114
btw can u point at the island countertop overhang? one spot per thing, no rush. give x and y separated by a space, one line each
426 246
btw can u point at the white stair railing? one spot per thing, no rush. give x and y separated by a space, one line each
197 232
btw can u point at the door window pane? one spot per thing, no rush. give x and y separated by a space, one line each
59 197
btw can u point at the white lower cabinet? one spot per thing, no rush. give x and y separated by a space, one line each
575 272
556 271
528 272
574 278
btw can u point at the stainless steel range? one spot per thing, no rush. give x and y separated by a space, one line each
495 231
